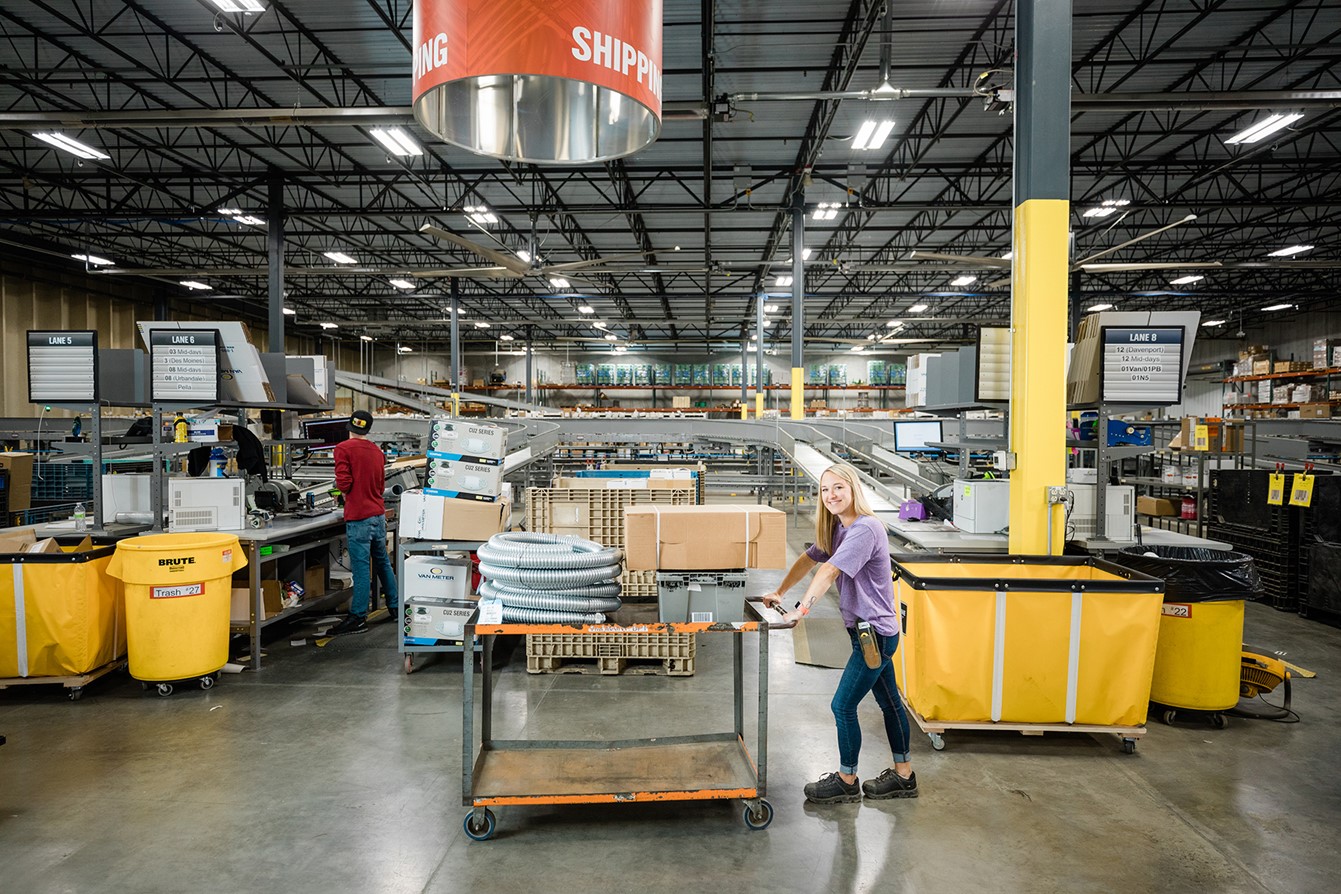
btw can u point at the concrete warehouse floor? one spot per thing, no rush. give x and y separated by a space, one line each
331 771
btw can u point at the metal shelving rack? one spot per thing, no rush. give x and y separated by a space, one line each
453 552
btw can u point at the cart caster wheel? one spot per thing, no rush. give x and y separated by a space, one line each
1219 721
480 832
207 682
1128 746
937 741
75 694
164 689
1169 717
758 820
409 664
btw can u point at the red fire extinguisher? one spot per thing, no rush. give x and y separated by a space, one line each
1189 510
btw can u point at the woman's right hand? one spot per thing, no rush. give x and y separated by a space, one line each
771 600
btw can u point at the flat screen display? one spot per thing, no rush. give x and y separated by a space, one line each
913 436
328 431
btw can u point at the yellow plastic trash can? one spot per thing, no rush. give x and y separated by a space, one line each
177 590
1198 657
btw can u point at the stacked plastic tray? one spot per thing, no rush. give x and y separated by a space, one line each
1239 514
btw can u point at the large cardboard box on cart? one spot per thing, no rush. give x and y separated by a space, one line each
704 538
61 614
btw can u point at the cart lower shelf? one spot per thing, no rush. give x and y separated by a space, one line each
935 728
709 767
74 683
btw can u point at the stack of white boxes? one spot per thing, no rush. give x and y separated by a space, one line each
463 500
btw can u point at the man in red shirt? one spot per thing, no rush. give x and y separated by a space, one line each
360 475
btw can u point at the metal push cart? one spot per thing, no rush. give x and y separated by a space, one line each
712 766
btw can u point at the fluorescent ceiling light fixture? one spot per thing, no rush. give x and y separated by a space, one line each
405 349
505 338
857 349
74 147
610 336
872 337
330 325
290 312
524 255
559 282
872 134
396 141
1106 207
963 280
1097 307
805 255
917 308
481 324
598 324
250 220
196 285
783 281
1279 307
586 309
401 283
772 308
365 338
826 211
240 5
894 324
230 211
1214 322
1264 128
480 214
1287 252
340 257
620 349
94 260
1186 280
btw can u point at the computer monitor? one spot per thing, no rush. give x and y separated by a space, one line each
328 431
913 436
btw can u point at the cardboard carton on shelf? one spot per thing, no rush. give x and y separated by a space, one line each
704 538
1156 506
429 517
272 599
20 468
1315 411
1261 367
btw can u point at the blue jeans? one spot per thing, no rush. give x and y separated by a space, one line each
857 680
367 544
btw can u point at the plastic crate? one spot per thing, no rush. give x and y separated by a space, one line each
63 482
590 513
638 586
1278 562
669 654
701 597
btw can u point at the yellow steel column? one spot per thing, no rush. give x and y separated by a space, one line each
1038 302
798 392
758 405
1037 374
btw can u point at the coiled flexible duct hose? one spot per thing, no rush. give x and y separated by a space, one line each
594 591
538 616
530 549
549 578
549 601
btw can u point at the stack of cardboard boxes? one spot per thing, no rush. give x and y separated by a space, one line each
700 554
464 500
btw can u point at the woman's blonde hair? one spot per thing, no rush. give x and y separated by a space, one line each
826 521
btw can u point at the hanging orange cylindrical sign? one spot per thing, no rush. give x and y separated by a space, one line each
539 80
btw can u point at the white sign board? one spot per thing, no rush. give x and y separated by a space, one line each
185 365
62 367
1142 365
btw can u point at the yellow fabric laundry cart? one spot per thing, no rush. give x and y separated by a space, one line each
1027 643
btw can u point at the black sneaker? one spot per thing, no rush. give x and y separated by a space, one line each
831 789
890 784
351 624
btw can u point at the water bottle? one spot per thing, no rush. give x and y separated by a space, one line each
80 520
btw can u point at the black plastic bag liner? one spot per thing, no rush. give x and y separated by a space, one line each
1194 573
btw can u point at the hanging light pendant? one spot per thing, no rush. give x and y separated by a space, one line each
539 81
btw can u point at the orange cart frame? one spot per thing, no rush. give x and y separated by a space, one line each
708 767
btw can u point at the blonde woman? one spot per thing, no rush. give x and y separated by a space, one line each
852 548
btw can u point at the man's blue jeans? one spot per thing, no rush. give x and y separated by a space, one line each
367 544
857 680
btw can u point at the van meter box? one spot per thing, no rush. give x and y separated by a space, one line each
432 618
432 576
467 442
701 597
465 480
